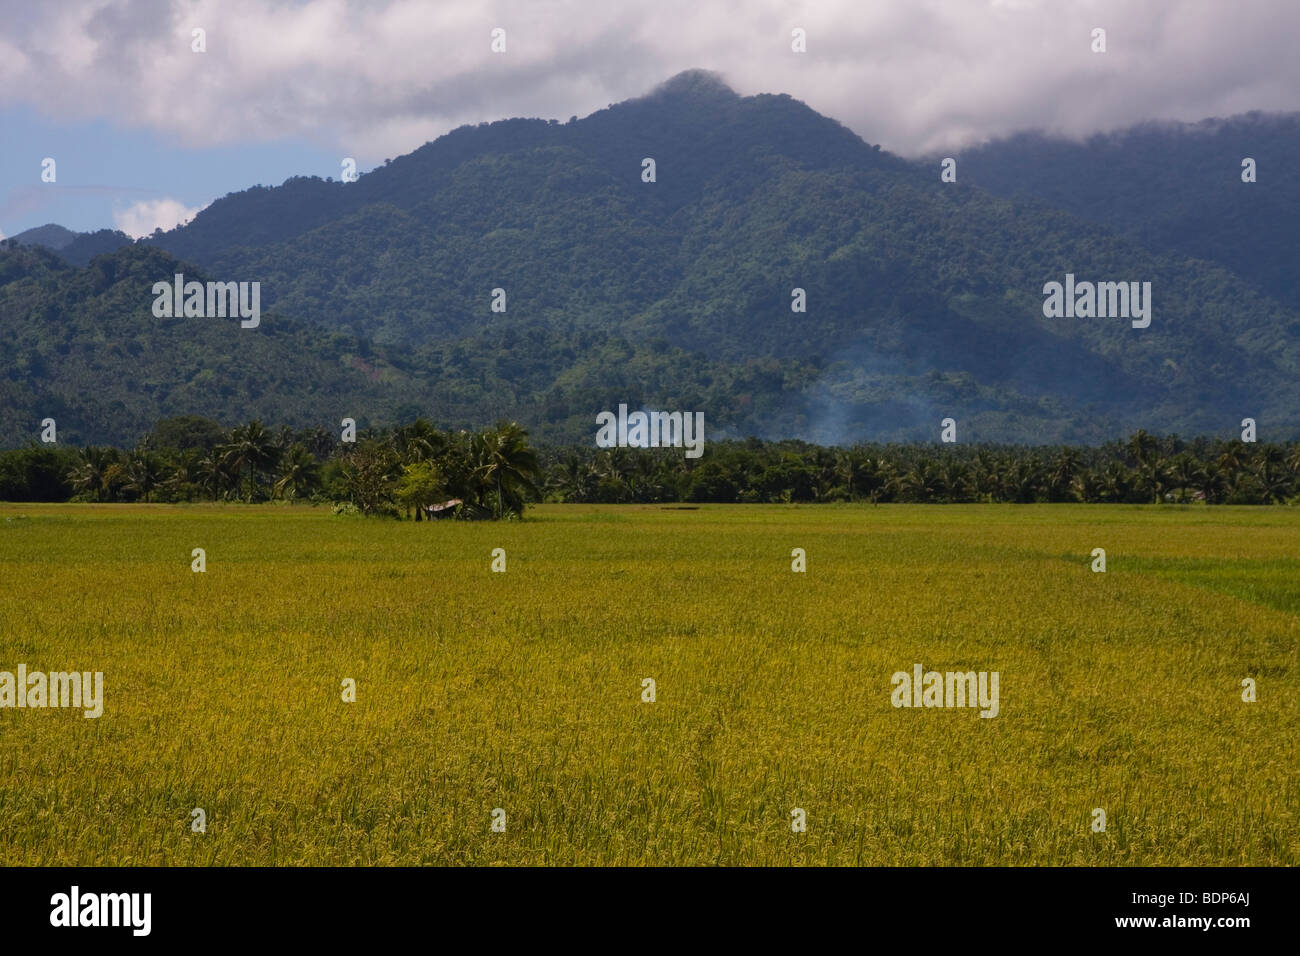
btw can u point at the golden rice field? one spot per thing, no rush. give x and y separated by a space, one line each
523 690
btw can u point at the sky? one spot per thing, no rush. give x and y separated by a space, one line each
145 131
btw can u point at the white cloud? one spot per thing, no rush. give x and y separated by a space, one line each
375 79
142 218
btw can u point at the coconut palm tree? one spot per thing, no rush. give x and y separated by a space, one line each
144 472
1143 446
1060 475
418 441
89 474
1270 470
1214 482
921 483
1234 457
320 443
506 468
1020 480
184 474
1151 476
298 473
848 467
1086 485
615 464
956 479
253 448
1115 482
214 475
1185 475
572 479
115 479
986 477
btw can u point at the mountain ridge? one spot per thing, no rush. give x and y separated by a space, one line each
923 298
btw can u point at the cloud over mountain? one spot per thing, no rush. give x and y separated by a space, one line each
141 218
377 79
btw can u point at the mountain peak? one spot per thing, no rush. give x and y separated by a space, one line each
696 83
50 235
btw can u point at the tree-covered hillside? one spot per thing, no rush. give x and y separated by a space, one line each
923 299
84 348
1171 187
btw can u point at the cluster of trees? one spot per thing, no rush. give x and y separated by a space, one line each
1143 469
495 472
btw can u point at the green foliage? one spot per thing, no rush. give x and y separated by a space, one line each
1173 188
299 473
370 471
496 472
924 299
187 433
505 469
37 473
419 486
1143 469
87 351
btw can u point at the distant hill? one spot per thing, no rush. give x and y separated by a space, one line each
1172 187
924 299
50 236
87 245
88 352
77 248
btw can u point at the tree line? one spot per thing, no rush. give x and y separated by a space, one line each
1141 469
495 473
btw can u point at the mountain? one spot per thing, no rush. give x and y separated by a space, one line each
50 236
88 245
924 299
86 350
77 248
1172 187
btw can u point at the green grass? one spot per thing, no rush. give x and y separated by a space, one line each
523 690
